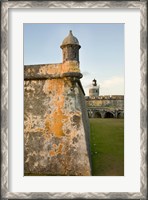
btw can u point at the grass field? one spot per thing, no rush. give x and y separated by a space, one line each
107 146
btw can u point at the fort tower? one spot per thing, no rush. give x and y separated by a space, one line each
70 47
56 127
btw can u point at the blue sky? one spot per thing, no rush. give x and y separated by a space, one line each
101 53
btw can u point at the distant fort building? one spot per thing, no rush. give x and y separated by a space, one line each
108 106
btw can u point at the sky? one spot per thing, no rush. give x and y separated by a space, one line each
101 54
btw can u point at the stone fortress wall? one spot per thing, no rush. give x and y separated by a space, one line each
108 106
56 130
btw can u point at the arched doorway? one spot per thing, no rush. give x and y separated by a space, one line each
109 115
97 114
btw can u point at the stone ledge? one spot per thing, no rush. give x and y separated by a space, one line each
50 71
52 76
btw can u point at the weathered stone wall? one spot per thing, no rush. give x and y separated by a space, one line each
105 106
106 101
56 131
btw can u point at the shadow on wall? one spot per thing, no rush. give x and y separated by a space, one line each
109 115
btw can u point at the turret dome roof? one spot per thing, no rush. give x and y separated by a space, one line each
70 39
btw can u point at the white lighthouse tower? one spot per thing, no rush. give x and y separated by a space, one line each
94 90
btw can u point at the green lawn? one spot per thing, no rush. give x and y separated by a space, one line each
107 147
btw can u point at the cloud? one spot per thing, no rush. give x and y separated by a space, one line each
114 81
112 86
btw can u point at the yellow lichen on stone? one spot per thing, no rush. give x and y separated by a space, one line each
54 145
52 153
54 121
59 151
57 123
59 69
